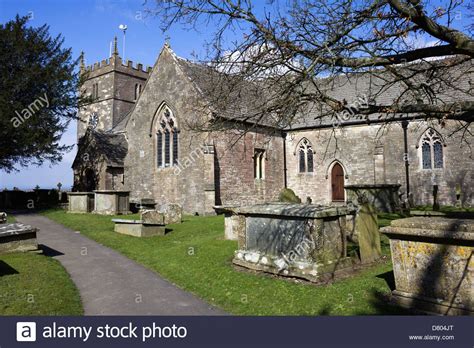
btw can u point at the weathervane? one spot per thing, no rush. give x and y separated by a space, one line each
124 28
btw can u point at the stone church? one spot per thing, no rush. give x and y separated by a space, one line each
136 135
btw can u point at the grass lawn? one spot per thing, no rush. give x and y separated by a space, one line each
32 284
195 257
10 219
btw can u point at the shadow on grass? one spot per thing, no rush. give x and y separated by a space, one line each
389 279
380 301
6 269
47 251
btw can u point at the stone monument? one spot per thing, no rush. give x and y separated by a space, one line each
433 264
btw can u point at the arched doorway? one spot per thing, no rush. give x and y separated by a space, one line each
337 183
89 180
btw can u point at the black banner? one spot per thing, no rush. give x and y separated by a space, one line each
111 331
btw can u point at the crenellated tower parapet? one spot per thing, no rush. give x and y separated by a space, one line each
114 86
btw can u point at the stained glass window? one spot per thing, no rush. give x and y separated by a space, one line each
167 139
426 154
438 154
431 150
302 161
175 147
310 160
305 154
167 148
159 147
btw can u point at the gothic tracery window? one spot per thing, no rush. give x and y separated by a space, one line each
167 139
431 150
305 157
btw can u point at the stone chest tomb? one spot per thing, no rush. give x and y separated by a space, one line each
433 264
80 202
299 240
17 237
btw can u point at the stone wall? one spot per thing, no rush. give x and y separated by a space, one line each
374 154
187 183
116 97
237 183
209 171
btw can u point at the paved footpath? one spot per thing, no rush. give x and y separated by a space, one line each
110 283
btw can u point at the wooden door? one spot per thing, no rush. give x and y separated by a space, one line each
337 183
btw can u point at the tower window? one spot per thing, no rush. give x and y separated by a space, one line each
431 150
305 156
95 91
138 91
259 164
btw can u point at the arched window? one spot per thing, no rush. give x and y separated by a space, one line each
305 156
138 91
431 150
166 139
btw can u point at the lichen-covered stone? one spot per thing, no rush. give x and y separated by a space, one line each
297 240
138 228
80 202
368 235
153 217
288 196
173 213
17 237
111 202
433 264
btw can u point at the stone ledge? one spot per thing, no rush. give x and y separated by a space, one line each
17 237
428 305
294 210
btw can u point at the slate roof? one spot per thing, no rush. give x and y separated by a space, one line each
237 103
112 146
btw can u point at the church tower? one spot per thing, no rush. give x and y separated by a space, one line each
113 87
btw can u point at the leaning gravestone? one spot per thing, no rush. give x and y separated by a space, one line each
367 231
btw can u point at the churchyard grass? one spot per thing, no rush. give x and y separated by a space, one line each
195 257
33 284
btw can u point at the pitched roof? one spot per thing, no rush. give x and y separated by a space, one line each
113 147
236 99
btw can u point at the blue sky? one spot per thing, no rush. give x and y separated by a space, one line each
89 26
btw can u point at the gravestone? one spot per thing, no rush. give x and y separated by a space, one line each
232 221
367 231
153 217
173 213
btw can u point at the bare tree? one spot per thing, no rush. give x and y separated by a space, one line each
288 58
